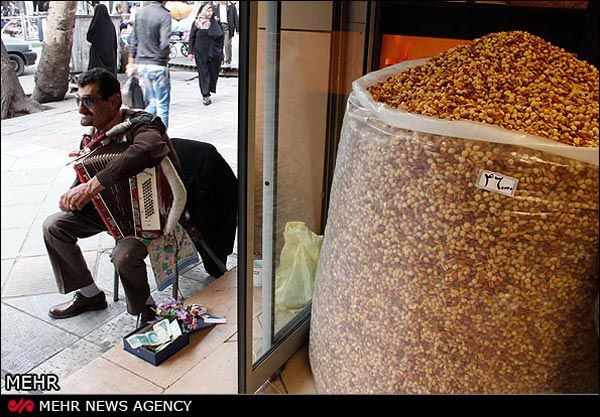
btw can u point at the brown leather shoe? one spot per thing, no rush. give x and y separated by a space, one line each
78 305
147 315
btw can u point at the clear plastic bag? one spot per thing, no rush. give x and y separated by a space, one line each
133 94
295 276
431 282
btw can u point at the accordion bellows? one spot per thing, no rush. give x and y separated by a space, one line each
146 205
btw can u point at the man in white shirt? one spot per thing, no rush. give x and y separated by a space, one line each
227 15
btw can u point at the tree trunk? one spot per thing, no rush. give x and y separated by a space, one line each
52 75
14 101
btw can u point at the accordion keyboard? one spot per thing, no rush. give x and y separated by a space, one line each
136 206
148 200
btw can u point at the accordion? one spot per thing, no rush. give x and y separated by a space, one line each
146 205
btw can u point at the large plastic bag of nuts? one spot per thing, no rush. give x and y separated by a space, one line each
461 249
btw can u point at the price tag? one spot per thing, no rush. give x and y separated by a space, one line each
497 183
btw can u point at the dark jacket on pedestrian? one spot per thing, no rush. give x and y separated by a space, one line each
232 19
103 37
206 43
149 40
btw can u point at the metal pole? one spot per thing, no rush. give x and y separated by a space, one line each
271 98
244 300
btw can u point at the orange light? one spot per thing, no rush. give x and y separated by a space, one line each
398 48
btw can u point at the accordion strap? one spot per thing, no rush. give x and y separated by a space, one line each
179 194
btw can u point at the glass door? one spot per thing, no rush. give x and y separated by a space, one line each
296 64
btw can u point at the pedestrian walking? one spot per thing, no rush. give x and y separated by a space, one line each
206 47
227 15
149 53
120 9
103 37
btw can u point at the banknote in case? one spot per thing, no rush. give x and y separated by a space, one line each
156 358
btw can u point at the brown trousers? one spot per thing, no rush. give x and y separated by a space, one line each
61 232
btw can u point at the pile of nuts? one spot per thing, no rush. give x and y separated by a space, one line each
429 284
515 80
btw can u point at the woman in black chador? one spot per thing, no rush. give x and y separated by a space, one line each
103 37
206 46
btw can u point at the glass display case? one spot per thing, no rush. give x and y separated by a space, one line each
297 61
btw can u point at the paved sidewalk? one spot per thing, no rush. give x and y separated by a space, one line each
33 175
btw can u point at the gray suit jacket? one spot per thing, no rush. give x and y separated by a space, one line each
149 40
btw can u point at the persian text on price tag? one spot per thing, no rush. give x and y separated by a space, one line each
497 183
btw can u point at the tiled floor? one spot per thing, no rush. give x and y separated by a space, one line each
208 365
219 298
296 377
27 342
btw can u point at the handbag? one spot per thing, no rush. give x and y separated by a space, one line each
133 94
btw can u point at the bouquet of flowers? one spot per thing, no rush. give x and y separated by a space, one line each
186 315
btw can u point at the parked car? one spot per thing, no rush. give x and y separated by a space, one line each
20 53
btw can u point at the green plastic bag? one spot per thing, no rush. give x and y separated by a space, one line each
295 276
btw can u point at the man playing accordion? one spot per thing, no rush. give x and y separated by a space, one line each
99 101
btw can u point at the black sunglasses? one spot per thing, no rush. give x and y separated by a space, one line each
87 101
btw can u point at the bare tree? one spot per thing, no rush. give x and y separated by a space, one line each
14 101
52 75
